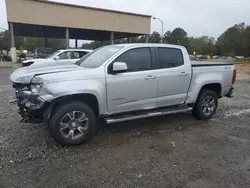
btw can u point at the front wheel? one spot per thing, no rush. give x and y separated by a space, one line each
72 123
206 105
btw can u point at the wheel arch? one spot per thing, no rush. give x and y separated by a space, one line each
216 87
89 99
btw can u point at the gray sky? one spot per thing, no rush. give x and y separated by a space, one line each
197 17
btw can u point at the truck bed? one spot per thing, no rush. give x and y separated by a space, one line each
210 72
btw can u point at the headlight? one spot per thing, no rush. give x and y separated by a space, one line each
36 88
36 80
25 79
36 85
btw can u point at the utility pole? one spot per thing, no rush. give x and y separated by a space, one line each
162 27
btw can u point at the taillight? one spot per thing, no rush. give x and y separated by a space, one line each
234 76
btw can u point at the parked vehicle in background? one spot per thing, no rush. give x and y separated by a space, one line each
202 58
69 55
119 83
42 52
239 57
215 57
192 58
30 54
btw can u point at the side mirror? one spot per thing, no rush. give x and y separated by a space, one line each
56 58
119 67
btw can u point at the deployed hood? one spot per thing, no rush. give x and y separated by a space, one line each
24 75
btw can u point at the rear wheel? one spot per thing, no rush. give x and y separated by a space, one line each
206 105
72 123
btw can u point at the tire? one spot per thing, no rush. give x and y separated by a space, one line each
202 111
66 115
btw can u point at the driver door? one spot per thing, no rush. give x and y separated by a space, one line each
135 89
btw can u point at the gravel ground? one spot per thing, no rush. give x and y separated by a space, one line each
170 151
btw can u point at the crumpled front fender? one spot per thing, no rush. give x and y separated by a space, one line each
53 91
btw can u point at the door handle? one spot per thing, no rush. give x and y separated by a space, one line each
183 74
148 77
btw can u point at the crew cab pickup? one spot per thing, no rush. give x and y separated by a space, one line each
119 83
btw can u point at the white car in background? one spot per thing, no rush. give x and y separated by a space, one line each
68 55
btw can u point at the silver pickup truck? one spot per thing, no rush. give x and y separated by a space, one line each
119 83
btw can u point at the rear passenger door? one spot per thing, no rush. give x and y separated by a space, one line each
173 76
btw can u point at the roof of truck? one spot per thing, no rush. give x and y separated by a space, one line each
150 45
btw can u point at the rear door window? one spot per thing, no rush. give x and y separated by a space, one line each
169 58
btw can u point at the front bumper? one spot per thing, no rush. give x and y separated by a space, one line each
31 106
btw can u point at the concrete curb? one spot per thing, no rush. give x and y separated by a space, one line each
6 67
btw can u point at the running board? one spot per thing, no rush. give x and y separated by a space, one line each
141 115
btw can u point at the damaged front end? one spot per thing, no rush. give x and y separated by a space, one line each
31 106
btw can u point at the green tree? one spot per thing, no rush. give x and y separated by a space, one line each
31 43
166 37
179 36
133 40
92 45
142 39
231 41
246 41
155 37
4 40
202 45
56 44
97 44
234 41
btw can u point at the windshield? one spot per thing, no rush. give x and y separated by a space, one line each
98 57
51 55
